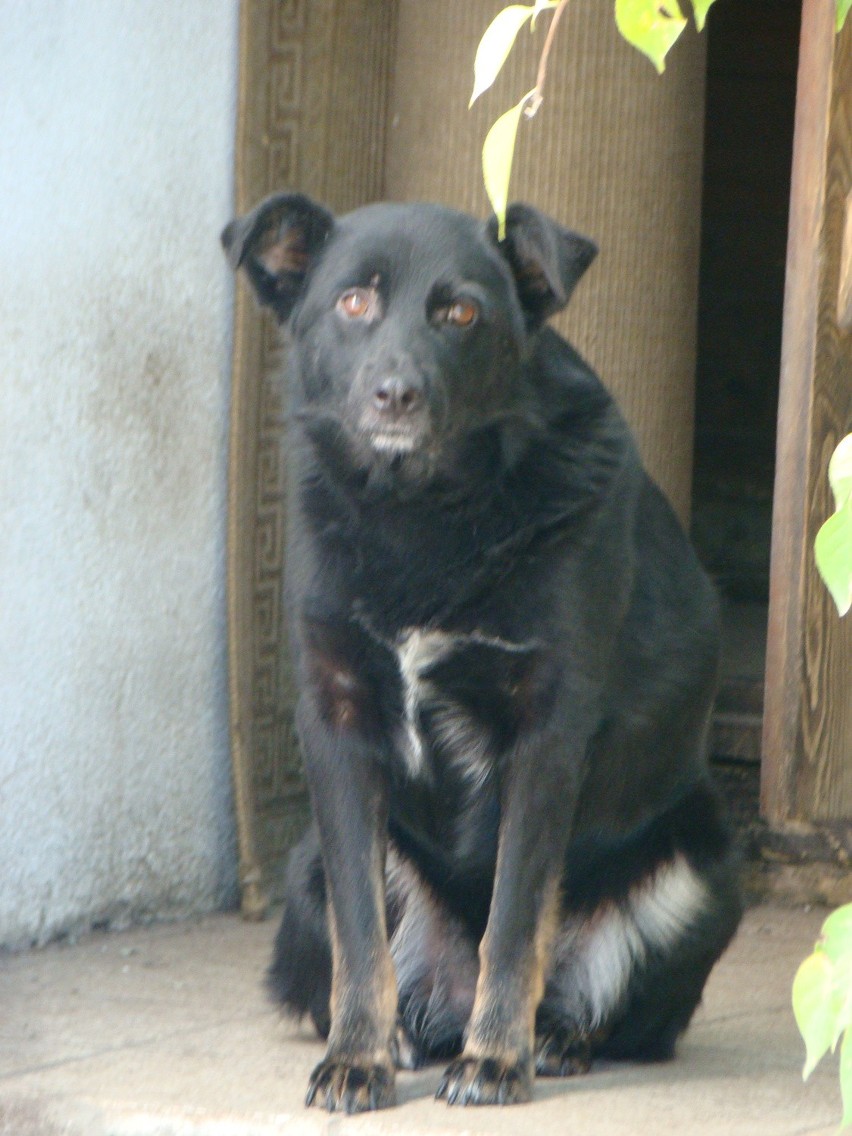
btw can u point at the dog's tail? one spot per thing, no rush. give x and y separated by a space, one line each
299 978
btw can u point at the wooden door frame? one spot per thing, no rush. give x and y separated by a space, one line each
807 732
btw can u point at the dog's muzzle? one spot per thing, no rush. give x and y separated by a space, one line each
395 416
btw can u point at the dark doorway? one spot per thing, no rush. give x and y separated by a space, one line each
751 96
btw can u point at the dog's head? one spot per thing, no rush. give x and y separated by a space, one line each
410 323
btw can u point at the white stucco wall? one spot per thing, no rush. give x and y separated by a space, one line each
116 167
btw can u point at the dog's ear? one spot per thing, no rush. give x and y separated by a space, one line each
546 260
276 244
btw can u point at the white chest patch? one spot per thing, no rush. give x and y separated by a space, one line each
416 653
452 728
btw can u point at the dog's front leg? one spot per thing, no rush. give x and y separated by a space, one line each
349 798
537 805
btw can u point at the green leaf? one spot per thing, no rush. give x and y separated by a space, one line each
813 1006
842 998
700 9
836 933
843 7
497 152
833 544
840 470
495 46
651 26
846 1078
833 555
836 942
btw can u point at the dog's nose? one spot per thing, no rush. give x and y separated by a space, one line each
396 396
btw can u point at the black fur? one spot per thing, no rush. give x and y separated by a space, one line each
506 654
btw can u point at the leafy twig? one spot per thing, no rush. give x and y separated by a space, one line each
652 26
541 77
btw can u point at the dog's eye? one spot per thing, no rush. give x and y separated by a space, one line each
462 313
359 303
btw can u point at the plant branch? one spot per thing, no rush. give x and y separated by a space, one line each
537 96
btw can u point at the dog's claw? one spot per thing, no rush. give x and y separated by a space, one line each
562 1055
486 1080
349 1086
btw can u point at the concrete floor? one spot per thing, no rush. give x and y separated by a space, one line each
165 1032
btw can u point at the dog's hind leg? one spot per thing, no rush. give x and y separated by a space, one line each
299 977
628 970
666 987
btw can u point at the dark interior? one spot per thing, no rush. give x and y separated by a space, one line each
751 92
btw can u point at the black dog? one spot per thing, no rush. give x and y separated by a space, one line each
506 655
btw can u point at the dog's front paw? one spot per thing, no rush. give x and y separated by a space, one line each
342 1085
486 1080
562 1054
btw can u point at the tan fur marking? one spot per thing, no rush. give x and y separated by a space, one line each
491 1033
373 1001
